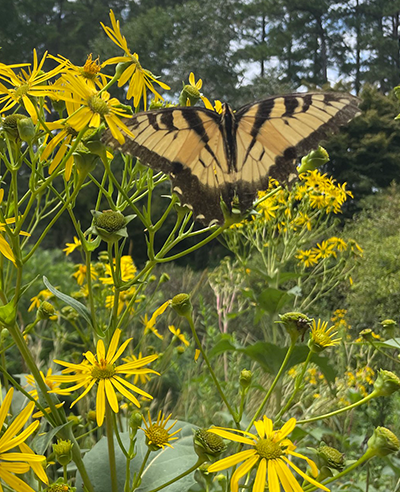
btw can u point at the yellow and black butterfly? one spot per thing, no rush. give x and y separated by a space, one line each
210 156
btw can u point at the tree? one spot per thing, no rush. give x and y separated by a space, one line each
365 154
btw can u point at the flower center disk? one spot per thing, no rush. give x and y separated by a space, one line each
268 449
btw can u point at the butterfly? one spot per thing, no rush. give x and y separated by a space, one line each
232 155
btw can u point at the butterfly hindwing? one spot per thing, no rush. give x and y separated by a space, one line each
211 156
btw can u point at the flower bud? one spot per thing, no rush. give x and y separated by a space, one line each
181 304
329 457
26 129
69 313
207 444
110 225
164 278
296 324
91 415
367 335
313 160
383 442
135 421
4 335
245 378
10 126
386 383
46 310
389 325
180 349
63 451
60 486
85 161
191 93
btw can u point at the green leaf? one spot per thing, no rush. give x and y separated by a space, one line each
392 343
163 465
224 344
42 441
271 356
78 306
272 300
8 313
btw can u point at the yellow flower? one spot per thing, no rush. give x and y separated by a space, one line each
127 271
197 86
101 369
70 247
157 436
64 137
5 248
17 463
26 85
321 336
139 79
267 454
324 250
36 301
52 385
307 257
80 273
150 324
88 107
124 299
177 332
339 243
90 72
143 377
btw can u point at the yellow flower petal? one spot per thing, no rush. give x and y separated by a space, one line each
231 460
111 396
100 403
240 472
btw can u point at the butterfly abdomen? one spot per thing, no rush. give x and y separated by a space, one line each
229 127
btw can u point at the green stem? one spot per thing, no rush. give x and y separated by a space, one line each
277 377
235 416
299 380
199 462
111 449
374 394
55 218
212 236
138 477
65 473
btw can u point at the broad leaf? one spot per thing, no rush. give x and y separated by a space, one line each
162 466
78 306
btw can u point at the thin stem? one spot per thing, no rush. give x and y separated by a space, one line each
374 394
111 449
297 386
216 382
271 389
138 477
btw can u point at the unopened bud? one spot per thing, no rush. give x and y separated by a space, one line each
383 442
245 378
46 310
63 451
181 304
296 324
386 383
26 129
313 160
207 444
